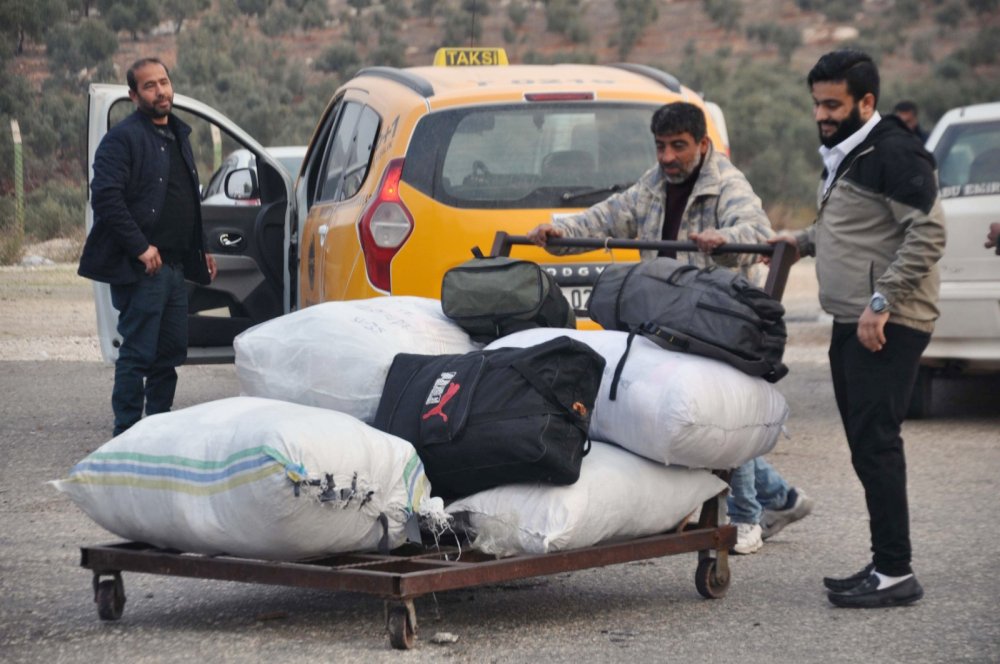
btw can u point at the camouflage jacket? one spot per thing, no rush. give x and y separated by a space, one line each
722 199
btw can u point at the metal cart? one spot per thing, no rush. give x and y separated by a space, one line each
416 570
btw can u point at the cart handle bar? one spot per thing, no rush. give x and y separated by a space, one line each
782 254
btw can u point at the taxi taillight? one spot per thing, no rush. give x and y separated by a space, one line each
384 227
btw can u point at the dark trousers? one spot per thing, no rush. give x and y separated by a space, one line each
873 393
152 321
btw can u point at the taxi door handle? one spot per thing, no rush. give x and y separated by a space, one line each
231 240
322 231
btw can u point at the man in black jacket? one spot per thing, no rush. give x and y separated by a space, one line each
146 238
877 240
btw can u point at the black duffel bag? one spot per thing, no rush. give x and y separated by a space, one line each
712 312
494 417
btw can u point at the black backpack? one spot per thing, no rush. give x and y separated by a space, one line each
711 311
494 417
490 297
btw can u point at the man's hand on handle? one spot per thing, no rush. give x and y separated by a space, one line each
541 233
708 240
790 239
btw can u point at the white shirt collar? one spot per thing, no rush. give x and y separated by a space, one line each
832 157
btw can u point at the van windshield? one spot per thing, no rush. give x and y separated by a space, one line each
533 155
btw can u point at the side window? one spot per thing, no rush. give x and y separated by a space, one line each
338 152
360 154
215 183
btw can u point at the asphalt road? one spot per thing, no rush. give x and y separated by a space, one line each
53 413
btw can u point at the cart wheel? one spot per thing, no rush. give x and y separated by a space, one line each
110 598
402 634
710 582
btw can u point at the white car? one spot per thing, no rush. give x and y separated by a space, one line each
289 156
966 145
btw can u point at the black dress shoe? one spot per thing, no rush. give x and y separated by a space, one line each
848 582
866 594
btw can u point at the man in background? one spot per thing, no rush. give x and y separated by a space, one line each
908 112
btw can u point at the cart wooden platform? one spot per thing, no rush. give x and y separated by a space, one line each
413 571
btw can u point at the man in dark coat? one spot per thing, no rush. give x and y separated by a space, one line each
146 239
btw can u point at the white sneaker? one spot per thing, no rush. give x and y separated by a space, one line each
799 506
748 538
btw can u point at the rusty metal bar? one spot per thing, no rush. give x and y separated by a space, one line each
519 567
782 254
394 576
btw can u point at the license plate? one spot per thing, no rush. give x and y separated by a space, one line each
577 296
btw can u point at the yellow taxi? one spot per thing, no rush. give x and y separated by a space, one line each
406 172
411 168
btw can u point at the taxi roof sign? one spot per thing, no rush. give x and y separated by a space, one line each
470 56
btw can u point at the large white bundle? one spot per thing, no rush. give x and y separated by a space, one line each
253 477
619 495
336 355
676 408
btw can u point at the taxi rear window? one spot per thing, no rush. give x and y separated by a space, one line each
535 155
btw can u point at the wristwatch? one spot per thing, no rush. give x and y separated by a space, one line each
878 303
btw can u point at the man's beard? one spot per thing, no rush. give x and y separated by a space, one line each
152 111
685 173
845 128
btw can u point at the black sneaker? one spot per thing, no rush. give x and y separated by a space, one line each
848 582
866 594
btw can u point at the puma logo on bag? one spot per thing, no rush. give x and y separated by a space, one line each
445 398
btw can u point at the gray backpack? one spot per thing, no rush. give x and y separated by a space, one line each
712 312
490 297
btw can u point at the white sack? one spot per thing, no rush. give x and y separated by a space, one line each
676 408
619 496
336 355
250 477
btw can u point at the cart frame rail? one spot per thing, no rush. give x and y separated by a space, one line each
399 576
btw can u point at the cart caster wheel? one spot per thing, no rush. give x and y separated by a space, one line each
710 582
110 598
402 633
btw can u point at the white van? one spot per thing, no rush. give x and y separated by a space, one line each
966 145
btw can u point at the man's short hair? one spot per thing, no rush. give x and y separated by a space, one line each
139 64
905 106
854 67
677 118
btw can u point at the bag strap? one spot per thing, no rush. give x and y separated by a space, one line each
671 339
579 421
621 293
676 274
543 388
613 392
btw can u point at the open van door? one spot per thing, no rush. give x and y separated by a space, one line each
248 234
